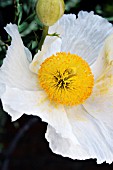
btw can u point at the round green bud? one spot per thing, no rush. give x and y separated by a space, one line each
49 11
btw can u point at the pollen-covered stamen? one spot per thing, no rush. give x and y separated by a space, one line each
66 78
63 80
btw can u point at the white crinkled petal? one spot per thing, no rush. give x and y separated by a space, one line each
83 36
51 46
99 65
64 146
109 48
95 138
104 58
37 103
100 103
2 89
10 111
15 69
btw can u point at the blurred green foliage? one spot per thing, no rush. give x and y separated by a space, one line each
71 4
5 3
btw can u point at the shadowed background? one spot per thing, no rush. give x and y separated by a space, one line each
22 143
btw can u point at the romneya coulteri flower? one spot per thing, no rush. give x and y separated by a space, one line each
68 84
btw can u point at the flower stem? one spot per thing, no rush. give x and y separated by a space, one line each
44 34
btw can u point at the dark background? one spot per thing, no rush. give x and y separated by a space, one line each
22 143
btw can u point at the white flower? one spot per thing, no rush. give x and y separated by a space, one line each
81 131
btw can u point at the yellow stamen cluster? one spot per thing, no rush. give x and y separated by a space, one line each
66 78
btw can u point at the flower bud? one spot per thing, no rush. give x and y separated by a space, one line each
49 11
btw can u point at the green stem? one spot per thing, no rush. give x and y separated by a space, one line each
44 34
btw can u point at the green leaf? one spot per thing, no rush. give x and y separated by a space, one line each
19 13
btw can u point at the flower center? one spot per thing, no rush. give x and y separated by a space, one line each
66 78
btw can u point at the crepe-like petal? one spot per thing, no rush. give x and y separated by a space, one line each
15 69
10 111
37 103
104 58
2 89
100 103
64 146
83 36
95 138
